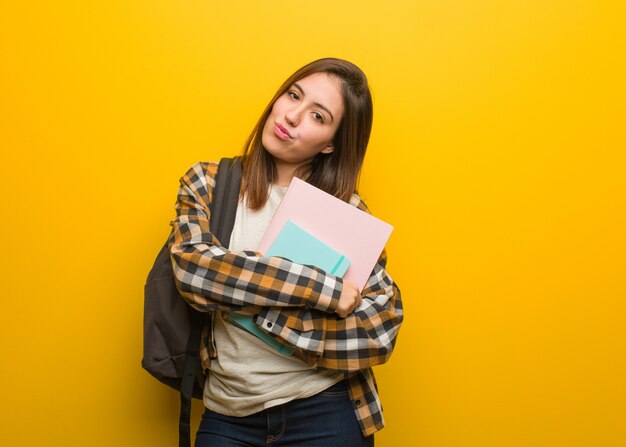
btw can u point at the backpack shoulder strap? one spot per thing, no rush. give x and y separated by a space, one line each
224 200
223 207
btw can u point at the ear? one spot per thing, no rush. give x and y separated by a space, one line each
328 149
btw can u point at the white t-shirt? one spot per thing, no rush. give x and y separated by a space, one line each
248 375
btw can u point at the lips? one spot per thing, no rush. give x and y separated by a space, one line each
281 132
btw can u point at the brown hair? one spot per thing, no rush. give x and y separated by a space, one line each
336 173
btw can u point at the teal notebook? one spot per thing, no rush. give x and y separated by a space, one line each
301 247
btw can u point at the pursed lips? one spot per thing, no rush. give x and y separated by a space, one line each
283 130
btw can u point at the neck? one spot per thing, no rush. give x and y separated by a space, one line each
285 172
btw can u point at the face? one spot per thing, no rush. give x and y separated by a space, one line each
303 120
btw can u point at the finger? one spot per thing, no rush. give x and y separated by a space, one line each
357 302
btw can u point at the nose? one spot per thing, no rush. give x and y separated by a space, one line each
293 115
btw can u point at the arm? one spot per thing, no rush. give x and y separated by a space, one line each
367 336
211 277
363 339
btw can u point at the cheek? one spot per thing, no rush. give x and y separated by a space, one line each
278 107
266 127
316 140
269 122
327 136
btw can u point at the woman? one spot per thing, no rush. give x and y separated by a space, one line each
316 127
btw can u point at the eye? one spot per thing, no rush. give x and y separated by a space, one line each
318 117
293 95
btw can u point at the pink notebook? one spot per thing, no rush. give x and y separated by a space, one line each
359 236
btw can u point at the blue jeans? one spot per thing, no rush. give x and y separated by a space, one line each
324 420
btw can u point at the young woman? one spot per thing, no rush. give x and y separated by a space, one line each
316 127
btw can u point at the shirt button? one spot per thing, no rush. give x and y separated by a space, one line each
268 324
357 402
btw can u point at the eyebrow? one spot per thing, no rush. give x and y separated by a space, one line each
321 106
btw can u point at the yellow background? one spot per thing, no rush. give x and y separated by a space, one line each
497 153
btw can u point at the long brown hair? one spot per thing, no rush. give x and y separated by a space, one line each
336 173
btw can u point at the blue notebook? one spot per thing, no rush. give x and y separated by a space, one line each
301 247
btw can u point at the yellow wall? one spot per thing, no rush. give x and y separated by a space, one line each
497 153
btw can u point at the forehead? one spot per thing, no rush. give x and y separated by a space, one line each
324 89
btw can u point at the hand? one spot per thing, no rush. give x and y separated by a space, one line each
349 300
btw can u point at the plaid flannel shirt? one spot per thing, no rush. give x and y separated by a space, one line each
294 302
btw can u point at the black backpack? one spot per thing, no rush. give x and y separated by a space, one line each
172 329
